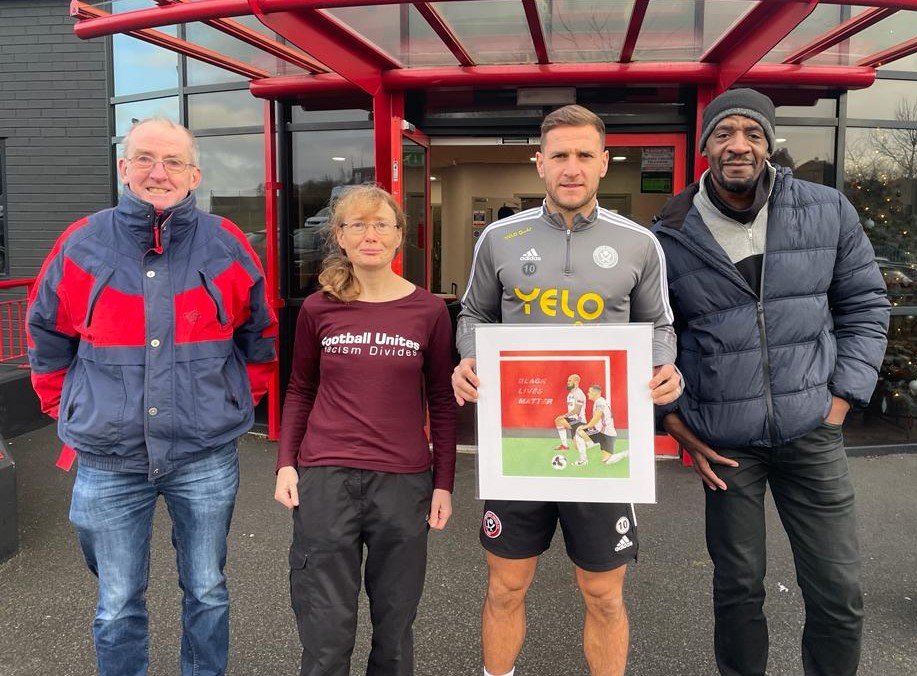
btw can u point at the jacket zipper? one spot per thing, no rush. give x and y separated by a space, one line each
765 357
568 263
734 275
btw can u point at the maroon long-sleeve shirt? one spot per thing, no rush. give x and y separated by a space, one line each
361 375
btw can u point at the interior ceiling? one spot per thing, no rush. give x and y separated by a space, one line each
450 155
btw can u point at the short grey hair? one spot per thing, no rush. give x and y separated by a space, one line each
166 122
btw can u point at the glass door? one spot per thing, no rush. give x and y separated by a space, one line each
415 199
644 171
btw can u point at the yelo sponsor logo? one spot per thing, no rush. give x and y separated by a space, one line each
587 307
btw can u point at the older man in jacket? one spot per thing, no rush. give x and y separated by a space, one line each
150 339
781 314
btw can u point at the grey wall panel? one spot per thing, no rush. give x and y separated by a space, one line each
54 117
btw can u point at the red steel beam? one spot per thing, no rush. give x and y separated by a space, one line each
893 53
271 187
445 33
257 40
753 36
838 34
849 77
536 31
331 42
81 10
633 30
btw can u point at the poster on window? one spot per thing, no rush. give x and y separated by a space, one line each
565 414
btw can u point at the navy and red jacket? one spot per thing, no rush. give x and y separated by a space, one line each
150 335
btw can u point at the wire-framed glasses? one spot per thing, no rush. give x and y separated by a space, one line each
173 165
359 227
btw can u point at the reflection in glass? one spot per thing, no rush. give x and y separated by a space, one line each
126 114
823 108
493 32
232 185
318 116
677 31
414 162
584 30
224 109
324 162
141 67
822 19
400 31
808 151
884 100
880 179
200 73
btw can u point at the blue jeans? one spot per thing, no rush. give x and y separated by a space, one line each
813 492
113 516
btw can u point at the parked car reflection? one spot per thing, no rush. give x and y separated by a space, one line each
899 280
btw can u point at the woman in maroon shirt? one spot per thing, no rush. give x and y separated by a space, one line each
372 355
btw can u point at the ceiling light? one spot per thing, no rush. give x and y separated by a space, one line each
339 159
779 140
433 178
618 158
533 159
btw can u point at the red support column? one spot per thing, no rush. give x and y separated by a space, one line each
388 112
705 94
271 187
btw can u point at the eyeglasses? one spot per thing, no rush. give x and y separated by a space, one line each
359 228
173 165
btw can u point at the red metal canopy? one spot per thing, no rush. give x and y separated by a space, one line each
338 44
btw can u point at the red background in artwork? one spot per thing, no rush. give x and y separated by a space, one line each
554 373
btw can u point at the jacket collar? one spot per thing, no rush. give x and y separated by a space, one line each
580 222
141 219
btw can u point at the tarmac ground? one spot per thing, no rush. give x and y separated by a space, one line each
47 596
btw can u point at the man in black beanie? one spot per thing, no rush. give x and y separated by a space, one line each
781 314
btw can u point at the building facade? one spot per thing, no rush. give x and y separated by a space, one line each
282 128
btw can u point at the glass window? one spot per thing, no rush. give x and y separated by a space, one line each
323 163
808 151
225 110
822 19
885 100
823 108
584 30
677 31
232 185
200 73
880 179
127 114
302 116
140 67
400 31
492 32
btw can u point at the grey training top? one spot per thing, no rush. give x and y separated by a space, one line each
530 269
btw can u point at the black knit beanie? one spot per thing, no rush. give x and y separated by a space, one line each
745 102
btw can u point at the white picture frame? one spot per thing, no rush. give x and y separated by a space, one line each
524 371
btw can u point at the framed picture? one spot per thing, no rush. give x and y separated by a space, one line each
565 413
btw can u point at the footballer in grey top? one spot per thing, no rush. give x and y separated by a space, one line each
530 269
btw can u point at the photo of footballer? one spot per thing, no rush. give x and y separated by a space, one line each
532 387
599 430
575 415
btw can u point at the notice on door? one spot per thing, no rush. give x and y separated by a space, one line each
657 168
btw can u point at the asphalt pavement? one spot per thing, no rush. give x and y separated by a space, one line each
47 596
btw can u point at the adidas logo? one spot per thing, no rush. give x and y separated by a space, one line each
623 543
530 255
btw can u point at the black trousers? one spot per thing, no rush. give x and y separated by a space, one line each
813 492
340 511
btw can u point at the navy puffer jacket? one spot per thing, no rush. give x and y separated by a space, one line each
760 366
